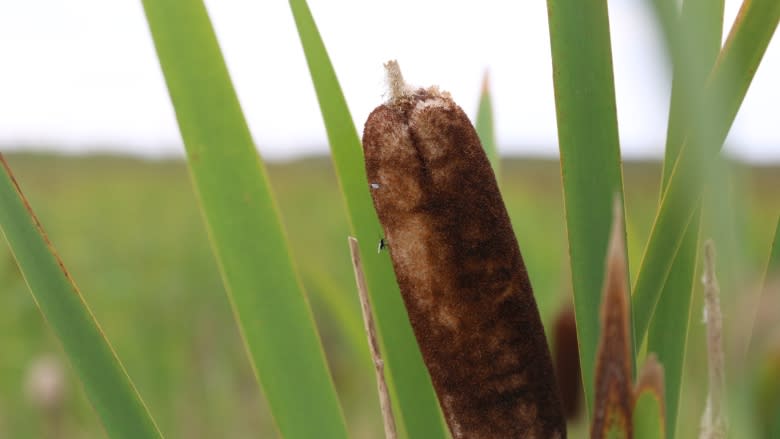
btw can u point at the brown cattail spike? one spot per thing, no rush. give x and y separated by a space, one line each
459 268
566 355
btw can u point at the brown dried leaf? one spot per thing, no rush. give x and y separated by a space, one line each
713 422
614 392
651 377
649 411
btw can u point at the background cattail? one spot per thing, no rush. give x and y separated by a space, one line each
566 355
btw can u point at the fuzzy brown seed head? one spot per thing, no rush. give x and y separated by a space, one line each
459 268
566 357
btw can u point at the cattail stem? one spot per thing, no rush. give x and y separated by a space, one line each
373 344
713 423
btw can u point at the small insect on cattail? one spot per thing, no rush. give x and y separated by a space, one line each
459 267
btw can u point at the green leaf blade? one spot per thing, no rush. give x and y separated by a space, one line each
723 95
410 384
648 416
771 272
273 314
649 412
702 21
590 155
773 263
668 332
106 383
485 127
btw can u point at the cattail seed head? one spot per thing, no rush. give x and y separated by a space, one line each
566 355
459 267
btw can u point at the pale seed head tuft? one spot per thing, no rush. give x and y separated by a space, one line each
46 383
396 86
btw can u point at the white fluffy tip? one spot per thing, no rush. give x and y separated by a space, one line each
396 86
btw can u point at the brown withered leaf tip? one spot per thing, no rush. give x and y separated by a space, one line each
566 357
651 378
614 399
459 267
651 381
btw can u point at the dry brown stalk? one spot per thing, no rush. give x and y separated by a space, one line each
459 267
373 344
713 422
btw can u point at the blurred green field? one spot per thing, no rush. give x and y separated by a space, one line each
131 233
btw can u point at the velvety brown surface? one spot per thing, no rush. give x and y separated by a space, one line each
566 354
460 270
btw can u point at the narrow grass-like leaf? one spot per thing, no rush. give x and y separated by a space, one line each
704 21
771 272
590 155
668 332
649 410
773 264
416 407
724 92
272 312
324 289
105 380
648 416
767 396
485 127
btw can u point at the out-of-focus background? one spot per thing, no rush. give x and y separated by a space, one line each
83 76
93 140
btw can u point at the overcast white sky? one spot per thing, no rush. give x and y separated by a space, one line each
83 75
